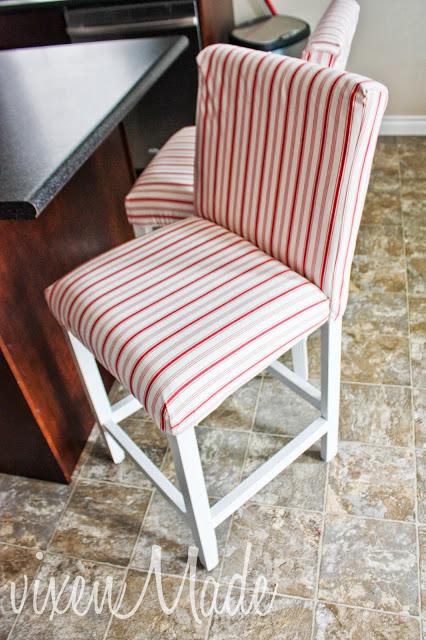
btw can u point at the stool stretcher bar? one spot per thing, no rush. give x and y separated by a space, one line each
158 478
192 500
297 384
268 471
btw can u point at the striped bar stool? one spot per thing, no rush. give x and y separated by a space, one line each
164 193
187 314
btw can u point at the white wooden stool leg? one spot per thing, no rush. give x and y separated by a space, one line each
140 231
331 342
299 355
190 477
96 394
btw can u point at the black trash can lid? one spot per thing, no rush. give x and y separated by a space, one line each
269 33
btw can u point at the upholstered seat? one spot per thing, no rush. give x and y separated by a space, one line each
185 315
164 192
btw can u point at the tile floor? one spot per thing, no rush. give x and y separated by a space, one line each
346 545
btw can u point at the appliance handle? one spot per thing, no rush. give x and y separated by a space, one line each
174 24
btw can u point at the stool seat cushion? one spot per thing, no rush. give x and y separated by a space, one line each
185 315
164 193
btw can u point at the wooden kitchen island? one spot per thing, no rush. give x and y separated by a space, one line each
64 172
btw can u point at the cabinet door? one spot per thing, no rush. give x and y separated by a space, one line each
216 20
32 27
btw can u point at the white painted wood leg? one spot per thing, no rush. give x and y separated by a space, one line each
299 355
140 231
96 394
190 477
331 341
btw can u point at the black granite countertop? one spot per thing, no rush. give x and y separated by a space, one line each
7 5
57 104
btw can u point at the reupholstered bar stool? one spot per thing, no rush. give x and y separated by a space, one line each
164 193
187 314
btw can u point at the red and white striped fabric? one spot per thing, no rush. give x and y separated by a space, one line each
185 315
330 43
164 192
283 158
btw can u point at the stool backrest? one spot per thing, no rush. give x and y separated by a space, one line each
330 42
283 157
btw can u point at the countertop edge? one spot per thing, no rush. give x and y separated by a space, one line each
37 201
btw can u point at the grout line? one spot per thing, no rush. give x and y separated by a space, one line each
231 519
385 612
118 483
320 546
127 568
416 500
44 551
67 503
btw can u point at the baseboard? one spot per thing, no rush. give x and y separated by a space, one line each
403 126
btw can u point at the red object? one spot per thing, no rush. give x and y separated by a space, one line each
271 7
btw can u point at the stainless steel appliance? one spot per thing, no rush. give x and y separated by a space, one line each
171 102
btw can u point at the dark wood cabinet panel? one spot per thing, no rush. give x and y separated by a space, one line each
32 27
85 219
216 20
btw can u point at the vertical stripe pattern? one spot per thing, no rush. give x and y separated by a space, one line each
283 157
330 43
164 192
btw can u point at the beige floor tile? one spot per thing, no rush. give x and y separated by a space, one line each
376 358
284 548
149 622
415 238
419 406
371 274
30 510
382 208
34 626
380 240
280 411
237 410
369 563
163 526
301 485
413 187
102 522
147 436
418 360
336 622
417 314
414 210
387 147
377 482
384 176
416 273
422 557
413 164
368 358
377 313
421 485
222 455
408 144
288 619
417 308
376 414
15 564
